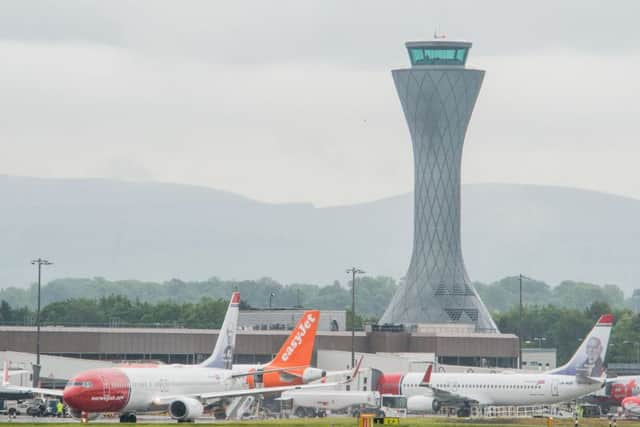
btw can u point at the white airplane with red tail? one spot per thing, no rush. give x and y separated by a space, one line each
583 374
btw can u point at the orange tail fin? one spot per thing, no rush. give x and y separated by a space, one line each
298 348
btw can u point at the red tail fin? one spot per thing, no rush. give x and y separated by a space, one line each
427 375
298 348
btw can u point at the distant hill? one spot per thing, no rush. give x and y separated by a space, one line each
155 231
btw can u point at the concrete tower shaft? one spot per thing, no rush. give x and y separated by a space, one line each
438 95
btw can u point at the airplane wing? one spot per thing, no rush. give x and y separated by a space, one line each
6 373
448 397
35 390
165 400
584 379
443 396
263 390
6 387
253 391
17 372
264 371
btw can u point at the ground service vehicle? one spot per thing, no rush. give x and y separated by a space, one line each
393 405
312 403
14 407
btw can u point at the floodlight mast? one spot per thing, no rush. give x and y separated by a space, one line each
353 271
36 368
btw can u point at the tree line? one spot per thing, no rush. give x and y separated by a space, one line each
118 310
505 294
565 328
373 293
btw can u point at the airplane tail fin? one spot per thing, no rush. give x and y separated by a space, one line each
222 355
426 379
298 348
588 361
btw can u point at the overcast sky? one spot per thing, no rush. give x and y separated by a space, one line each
287 101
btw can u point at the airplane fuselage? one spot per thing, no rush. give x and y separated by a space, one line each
143 389
497 389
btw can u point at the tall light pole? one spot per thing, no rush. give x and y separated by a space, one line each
36 368
353 271
520 278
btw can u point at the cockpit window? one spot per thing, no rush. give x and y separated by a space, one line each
85 384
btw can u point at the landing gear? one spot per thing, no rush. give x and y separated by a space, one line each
219 414
464 412
128 418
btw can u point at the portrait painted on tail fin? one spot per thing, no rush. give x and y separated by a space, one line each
589 358
593 363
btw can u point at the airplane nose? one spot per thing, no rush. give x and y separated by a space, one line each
72 396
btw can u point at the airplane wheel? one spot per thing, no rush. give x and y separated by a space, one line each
220 415
128 418
464 412
300 412
311 413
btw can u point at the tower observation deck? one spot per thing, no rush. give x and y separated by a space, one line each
437 94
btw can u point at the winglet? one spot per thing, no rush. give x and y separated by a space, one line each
427 375
357 368
235 298
5 371
606 320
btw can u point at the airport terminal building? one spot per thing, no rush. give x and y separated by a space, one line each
450 344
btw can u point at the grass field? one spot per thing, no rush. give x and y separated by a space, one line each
407 422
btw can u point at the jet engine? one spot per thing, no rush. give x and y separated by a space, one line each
185 408
423 404
313 374
79 415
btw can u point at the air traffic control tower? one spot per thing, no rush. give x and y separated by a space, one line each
437 94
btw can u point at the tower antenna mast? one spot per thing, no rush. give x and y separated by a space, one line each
437 36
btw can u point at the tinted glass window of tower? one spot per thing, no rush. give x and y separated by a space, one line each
437 56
